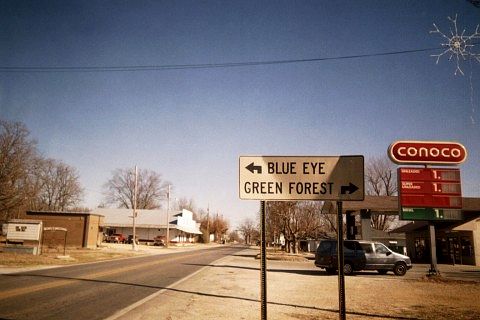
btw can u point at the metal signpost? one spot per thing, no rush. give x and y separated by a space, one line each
337 178
429 194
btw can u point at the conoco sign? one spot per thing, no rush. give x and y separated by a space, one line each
427 152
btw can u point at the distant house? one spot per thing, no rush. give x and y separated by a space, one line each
151 223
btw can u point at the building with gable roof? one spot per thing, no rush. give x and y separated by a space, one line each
151 223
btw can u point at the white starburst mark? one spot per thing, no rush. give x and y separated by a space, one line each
458 46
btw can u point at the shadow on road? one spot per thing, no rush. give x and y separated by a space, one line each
212 295
253 255
294 271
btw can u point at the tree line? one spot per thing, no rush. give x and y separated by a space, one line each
30 181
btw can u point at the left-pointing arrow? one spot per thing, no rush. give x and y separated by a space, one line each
252 168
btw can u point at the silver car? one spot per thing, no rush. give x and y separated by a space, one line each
380 258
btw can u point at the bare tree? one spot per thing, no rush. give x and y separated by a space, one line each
188 204
274 225
279 216
381 180
216 224
233 236
381 176
203 216
17 154
57 186
298 220
119 190
311 224
249 230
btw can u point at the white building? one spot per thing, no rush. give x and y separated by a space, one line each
151 223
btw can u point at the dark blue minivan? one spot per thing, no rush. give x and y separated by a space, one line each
354 256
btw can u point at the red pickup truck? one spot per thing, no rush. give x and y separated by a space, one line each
116 238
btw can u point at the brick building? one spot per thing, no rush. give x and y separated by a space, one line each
84 230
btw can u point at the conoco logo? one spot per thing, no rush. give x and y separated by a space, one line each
425 152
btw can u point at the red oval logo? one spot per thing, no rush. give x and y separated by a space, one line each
427 152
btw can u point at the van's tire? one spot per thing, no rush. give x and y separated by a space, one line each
330 270
347 268
382 271
400 269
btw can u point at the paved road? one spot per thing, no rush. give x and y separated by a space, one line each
98 290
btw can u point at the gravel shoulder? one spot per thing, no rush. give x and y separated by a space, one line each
229 289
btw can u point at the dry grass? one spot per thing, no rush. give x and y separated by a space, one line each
282 256
56 258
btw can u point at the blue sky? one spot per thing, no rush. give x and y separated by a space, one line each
191 125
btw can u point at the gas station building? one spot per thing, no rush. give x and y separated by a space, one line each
456 241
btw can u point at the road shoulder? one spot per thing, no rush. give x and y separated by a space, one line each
229 288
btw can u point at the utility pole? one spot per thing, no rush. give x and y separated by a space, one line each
215 237
167 240
134 242
208 223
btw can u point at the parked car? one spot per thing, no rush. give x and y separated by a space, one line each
116 238
159 241
354 256
130 239
381 258
361 255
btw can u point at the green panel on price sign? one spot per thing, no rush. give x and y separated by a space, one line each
430 214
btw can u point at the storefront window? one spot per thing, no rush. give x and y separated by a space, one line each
467 249
420 248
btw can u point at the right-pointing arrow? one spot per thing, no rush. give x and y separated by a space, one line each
351 188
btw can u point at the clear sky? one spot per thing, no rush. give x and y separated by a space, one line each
191 125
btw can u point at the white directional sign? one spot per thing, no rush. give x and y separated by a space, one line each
302 178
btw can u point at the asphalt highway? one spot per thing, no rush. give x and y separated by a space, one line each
97 290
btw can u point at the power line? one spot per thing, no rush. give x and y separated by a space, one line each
136 68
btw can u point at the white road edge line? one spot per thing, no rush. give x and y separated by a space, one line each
131 307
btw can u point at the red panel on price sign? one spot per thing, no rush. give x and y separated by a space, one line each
430 201
434 188
419 174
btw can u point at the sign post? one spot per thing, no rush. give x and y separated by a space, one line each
341 262
263 262
336 178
